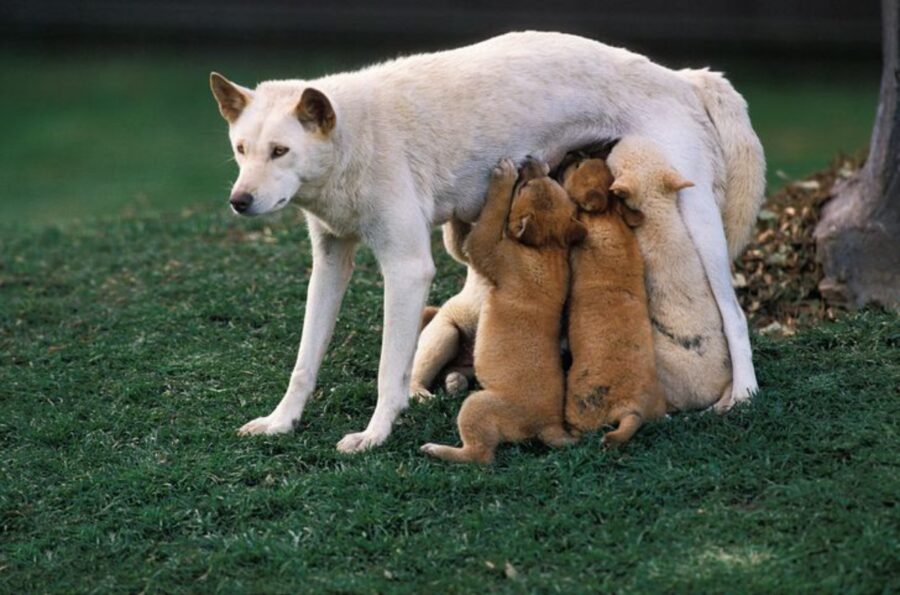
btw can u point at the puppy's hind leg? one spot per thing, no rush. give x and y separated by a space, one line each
557 437
457 381
725 402
479 427
438 345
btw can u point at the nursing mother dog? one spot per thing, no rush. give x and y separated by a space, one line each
382 155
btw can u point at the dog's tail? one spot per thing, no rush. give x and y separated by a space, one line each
455 233
745 163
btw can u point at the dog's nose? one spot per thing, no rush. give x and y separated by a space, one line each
241 201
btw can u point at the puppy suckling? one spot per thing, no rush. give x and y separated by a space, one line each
520 245
612 380
692 358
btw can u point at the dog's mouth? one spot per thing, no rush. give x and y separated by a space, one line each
280 202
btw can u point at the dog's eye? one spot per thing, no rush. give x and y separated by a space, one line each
278 151
240 148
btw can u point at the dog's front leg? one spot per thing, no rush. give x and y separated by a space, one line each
403 249
332 267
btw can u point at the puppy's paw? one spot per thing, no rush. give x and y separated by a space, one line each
267 425
360 442
456 383
734 399
504 170
420 393
430 449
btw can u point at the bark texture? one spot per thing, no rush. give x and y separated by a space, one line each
858 237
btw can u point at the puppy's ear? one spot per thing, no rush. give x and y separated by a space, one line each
597 200
232 98
632 217
522 227
576 232
315 111
675 182
624 186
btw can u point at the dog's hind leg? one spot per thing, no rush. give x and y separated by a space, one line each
701 216
332 267
704 223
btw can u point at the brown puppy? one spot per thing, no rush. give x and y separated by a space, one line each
517 357
613 375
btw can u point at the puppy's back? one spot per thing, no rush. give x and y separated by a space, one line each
692 355
613 370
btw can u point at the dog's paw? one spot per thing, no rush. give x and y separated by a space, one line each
504 170
456 383
360 442
267 425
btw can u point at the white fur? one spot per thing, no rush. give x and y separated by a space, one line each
413 144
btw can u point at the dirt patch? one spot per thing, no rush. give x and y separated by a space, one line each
777 277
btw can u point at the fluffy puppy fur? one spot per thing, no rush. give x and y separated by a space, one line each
447 338
517 356
613 375
692 358
449 341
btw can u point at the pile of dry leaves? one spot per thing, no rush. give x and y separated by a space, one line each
777 276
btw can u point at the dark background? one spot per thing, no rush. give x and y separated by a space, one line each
107 110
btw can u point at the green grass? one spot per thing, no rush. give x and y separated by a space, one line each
93 133
131 350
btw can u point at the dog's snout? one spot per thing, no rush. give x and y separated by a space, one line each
241 201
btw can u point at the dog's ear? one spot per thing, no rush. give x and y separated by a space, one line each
232 98
315 112
624 186
632 217
674 181
576 232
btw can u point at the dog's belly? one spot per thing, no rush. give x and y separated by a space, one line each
464 198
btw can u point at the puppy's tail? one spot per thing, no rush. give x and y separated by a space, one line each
628 425
745 164
455 233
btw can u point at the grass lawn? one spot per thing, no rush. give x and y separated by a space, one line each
130 351
140 325
107 133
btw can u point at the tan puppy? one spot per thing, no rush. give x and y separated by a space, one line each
447 339
613 375
517 356
692 358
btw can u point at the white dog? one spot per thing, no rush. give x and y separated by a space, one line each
383 154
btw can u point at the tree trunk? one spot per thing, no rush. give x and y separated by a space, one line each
858 237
